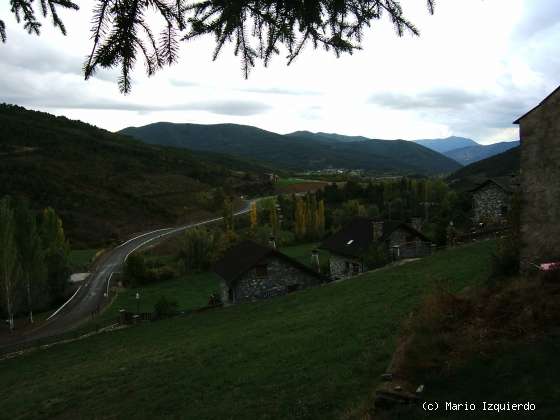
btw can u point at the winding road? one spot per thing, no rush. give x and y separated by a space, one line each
92 294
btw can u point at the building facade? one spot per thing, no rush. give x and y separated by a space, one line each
391 241
492 201
250 272
540 182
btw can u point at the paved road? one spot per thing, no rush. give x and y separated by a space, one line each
91 295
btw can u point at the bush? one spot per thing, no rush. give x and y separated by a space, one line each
376 257
165 308
135 271
505 260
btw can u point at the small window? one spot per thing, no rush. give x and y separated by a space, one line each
261 271
504 211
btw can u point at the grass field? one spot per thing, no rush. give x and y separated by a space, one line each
80 259
190 292
520 373
302 253
313 354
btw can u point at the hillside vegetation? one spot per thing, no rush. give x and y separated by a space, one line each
106 186
503 164
314 354
298 152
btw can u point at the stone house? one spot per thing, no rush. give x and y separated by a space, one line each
349 247
540 182
250 271
492 200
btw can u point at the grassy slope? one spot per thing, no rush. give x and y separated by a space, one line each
190 292
311 354
520 373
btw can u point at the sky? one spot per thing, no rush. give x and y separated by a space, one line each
476 67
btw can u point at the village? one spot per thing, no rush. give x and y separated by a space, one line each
365 229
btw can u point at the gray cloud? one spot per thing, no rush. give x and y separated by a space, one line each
183 83
448 98
281 91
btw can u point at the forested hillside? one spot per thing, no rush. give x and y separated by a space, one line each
504 164
303 152
106 186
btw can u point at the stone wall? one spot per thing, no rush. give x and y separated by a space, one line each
281 278
341 267
540 183
488 203
410 246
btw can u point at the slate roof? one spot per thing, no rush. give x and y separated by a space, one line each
354 239
507 183
246 255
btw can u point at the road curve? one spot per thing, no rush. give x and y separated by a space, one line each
91 295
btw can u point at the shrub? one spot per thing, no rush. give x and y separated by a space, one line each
135 271
165 308
376 257
505 260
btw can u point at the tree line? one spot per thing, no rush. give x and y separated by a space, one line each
34 267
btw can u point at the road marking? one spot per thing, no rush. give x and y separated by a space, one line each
65 303
108 284
139 236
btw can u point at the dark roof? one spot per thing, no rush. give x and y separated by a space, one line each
354 239
245 255
517 121
507 183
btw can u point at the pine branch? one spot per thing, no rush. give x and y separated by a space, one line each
2 31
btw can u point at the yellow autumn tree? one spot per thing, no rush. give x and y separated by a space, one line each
254 216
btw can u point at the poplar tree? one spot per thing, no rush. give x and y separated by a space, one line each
124 30
228 215
8 257
56 253
253 215
300 218
33 269
320 219
273 218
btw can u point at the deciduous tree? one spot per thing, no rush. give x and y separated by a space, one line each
8 257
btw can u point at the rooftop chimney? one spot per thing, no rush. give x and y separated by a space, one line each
272 242
315 260
416 223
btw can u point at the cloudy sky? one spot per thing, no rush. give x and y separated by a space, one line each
477 66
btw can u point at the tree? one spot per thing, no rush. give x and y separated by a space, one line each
56 253
300 218
254 216
123 29
33 269
8 256
228 215
320 219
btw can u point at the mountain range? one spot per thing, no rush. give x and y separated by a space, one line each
466 151
300 151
